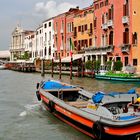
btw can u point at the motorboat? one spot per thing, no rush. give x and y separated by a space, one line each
2 67
96 114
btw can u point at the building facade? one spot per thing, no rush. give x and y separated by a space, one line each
48 39
17 47
136 34
112 26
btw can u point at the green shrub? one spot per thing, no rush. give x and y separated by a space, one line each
89 65
118 65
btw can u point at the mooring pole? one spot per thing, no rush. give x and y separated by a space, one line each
82 66
71 68
52 67
42 68
59 67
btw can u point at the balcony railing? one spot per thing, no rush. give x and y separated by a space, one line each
110 23
125 20
125 48
104 26
110 49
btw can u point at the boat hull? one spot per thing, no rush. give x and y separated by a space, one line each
115 78
86 125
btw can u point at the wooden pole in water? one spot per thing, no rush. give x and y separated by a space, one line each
71 68
52 67
42 68
82 66
59 67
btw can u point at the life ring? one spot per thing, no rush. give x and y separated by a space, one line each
98 130
38 96
51 106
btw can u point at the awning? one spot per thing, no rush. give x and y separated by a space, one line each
68 59
74 57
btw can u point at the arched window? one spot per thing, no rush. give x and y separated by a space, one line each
111 36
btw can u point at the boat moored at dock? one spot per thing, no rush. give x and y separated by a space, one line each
98 115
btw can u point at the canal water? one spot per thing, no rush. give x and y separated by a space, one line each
22 117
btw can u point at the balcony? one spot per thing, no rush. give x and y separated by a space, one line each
110 23
110 49
125 48
125 20
104 26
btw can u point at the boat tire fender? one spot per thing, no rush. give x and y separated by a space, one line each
38 95
37 86
51 106
98 130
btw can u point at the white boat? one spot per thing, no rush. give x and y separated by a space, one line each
2 67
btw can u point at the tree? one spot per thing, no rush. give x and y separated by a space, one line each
118 65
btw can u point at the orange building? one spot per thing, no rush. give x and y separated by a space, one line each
136 34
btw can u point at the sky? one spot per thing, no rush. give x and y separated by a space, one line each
29 14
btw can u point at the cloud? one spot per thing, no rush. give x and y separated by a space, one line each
51 8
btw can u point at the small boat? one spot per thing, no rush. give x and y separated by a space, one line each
2 67
98 115
117 78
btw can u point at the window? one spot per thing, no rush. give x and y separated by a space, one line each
85 27
90 42
79 28
135 40
111 13
111 36
126 36
45 25
106 2
135 62
126 9
95 22
101 4
49 24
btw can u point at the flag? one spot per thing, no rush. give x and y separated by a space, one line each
71 47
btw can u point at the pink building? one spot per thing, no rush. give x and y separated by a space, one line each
63 31
112 29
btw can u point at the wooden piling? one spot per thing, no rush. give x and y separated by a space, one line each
71 68
42 68
52 67
59 67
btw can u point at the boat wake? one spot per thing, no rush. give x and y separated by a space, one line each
31 109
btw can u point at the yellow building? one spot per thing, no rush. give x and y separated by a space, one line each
136 34
83 29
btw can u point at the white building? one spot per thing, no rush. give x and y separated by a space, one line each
29 42
38 47
17 47
48 39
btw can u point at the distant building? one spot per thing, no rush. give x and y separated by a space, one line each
17 47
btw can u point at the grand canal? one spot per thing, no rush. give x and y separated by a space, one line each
23 118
